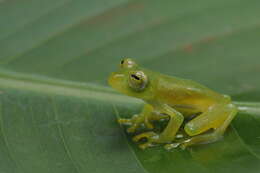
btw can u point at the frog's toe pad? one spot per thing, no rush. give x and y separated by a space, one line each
148 125
146 135
146 145
171 146
183 146
131 129
124 121
186 143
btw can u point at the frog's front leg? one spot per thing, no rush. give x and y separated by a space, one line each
139 119
168 134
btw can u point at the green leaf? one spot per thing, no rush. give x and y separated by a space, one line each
57 113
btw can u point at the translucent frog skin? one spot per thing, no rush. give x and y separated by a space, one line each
173 99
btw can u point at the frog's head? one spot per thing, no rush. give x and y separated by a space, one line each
131 80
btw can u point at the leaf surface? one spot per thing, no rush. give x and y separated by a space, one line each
57 113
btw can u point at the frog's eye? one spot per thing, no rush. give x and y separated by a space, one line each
127 63
137 80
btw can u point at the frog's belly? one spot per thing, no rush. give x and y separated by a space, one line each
192 105
186 110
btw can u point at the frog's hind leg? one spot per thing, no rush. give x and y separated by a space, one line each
217 118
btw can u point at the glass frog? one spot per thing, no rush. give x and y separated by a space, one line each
174 99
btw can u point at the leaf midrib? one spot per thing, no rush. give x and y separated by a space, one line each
35 83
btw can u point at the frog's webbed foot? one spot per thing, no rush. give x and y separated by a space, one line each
177 142
136 122
147 135
151 139
133 123
168 134
124 121
201 139
172 145
191 141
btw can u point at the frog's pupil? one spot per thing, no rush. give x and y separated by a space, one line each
136 77
122 62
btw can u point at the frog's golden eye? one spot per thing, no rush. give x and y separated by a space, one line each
137 80
127 63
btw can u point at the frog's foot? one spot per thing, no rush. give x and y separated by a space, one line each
201 139
147 135
179 136
135 122
162 118
124 121
171 145
129 122
151 138
177 141
133 128
147 145
148 124
175 144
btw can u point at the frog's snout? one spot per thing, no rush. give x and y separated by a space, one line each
116 80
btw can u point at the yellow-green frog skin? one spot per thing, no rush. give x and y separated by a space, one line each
174 99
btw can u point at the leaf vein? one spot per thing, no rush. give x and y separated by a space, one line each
6 140
244 144
61 134
127 142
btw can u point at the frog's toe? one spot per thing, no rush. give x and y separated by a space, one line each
171 146
146 145
132 129
179 136
147 135
148 125
185 144
124 121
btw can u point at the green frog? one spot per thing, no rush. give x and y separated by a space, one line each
172 99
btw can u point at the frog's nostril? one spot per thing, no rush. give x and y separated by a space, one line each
115 79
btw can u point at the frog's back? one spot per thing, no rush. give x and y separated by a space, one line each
182 86
184 92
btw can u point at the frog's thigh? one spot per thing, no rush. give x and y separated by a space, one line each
214 118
